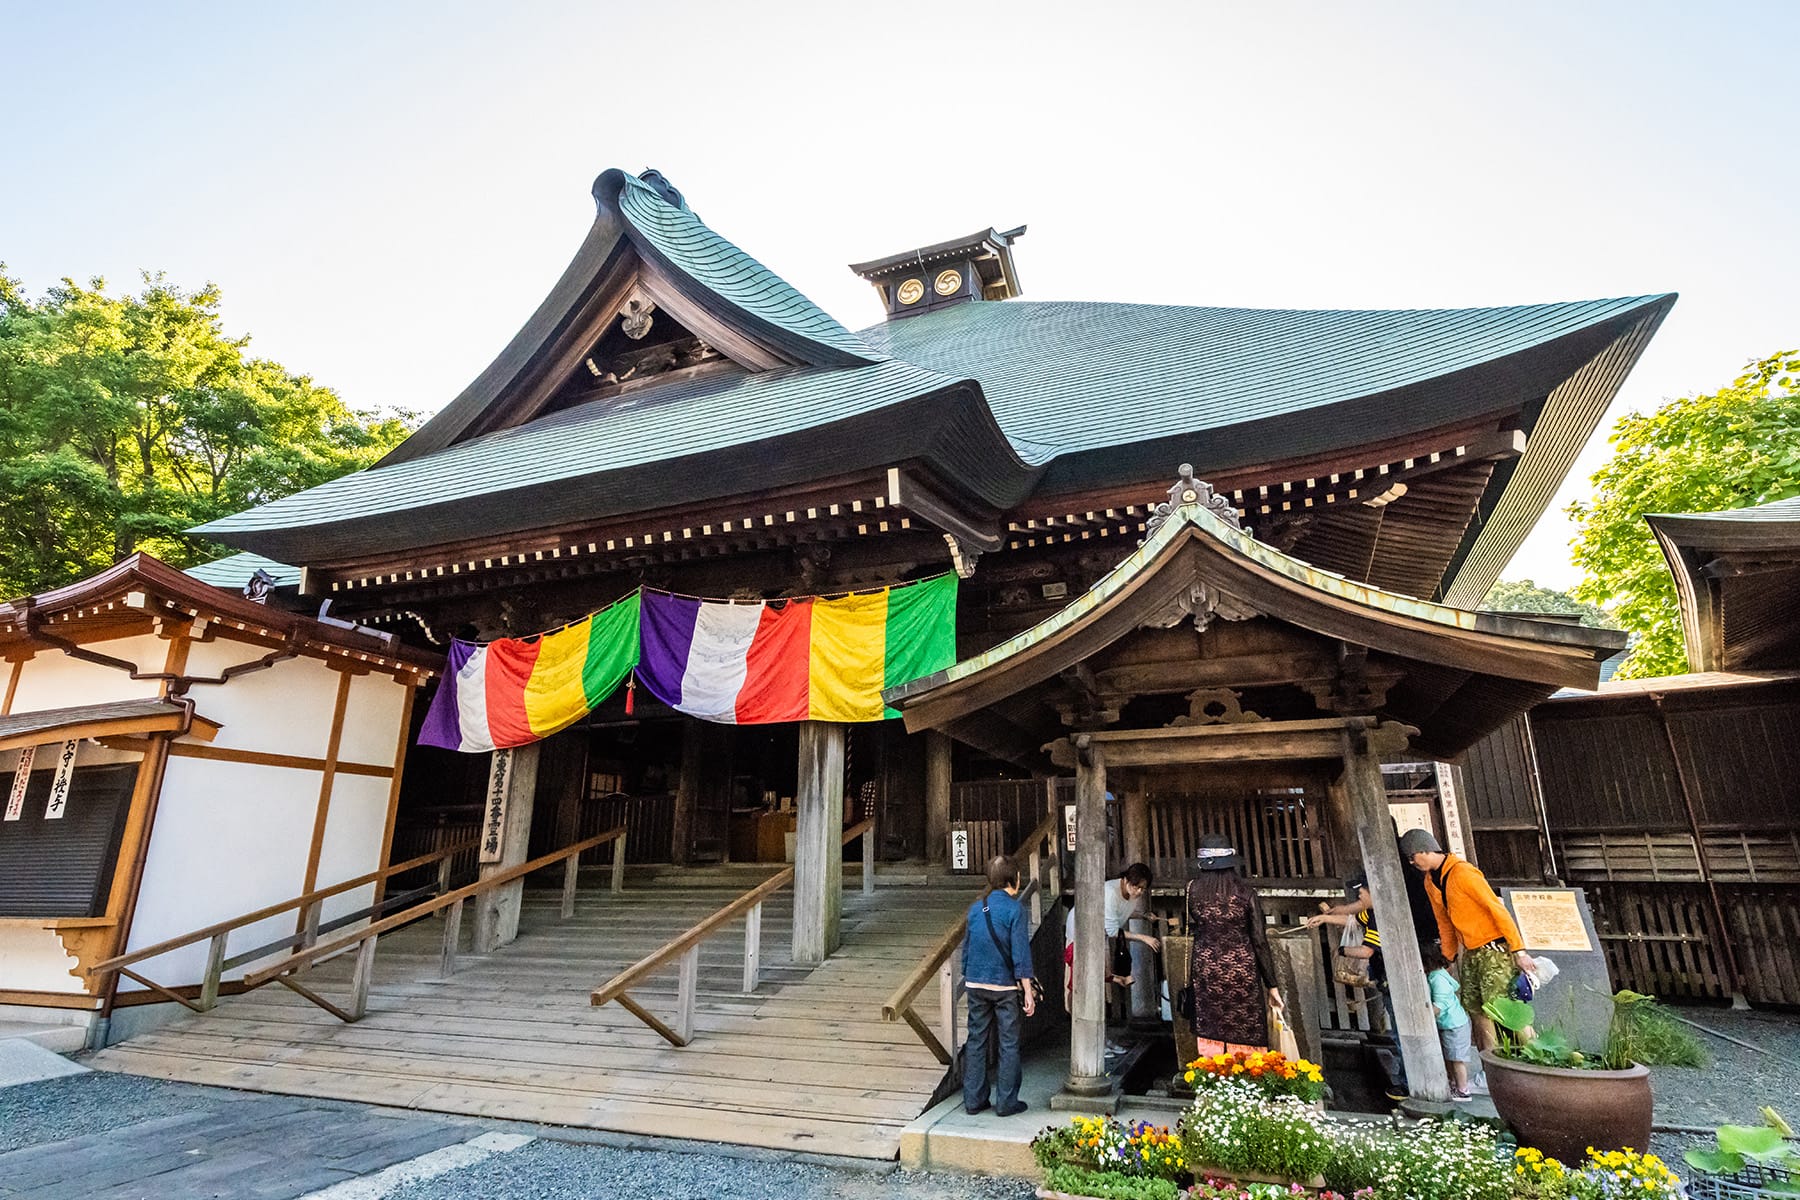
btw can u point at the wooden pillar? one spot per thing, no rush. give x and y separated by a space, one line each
1416 1027
497 911
937 797
1087 1025
818 842
687 791
1146 1007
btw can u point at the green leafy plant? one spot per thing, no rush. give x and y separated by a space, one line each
1072 1180
1643 1031
1740 1146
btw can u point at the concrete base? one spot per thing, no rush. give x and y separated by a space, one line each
1078 1102
946 1138
24 1061
58 1038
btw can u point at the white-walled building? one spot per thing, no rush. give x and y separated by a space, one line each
189 755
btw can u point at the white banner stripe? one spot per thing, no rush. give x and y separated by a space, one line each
471 704
718 660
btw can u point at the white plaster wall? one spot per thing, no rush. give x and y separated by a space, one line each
54 680
285 709
229 838
372 720
352 845
33 960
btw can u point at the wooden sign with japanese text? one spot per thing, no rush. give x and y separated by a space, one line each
15 803
1550 919
59 786
493 814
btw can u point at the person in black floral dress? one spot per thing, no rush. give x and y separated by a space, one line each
1230 968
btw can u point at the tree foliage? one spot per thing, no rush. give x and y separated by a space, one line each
1525 596
1733 448
127 419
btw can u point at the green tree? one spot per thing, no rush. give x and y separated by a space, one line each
1525 596
1736 447
127 419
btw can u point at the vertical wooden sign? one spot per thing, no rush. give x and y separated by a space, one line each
59 786
15 803
493 816
1451 807
959 849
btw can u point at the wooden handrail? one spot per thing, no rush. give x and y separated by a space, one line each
300 901
425 908
686 945
935 963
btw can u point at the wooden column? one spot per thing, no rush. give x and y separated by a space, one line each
1417 1028
937 797
687 791
818 842
1087 1026
1146 1008
497 911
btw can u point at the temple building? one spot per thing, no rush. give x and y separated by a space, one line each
676 419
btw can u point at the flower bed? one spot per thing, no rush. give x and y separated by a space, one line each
1253 1134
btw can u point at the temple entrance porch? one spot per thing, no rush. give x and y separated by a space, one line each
803 1062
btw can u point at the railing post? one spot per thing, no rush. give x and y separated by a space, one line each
452 935
1036 867
618 864
686 994
215 966
752 948
868 853
443 874
571 878
947 1004
359 979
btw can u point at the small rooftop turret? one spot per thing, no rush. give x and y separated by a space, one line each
977 267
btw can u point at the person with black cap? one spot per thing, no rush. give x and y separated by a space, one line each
1231 971
1471 921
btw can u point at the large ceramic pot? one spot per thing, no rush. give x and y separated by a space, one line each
1563 1110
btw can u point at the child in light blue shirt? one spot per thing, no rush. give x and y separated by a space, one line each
1452 1022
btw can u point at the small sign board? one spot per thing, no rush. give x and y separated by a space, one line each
959 849
1069 827
1555 923
59 787
1550 920
15 803
493 816
1412 814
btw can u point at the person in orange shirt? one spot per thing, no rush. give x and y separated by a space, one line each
1473 921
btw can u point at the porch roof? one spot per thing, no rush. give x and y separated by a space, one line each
1468 671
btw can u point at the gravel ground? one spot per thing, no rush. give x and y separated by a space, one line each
1737 1084
92 1103
547 1170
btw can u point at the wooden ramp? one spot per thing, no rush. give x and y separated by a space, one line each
805 1063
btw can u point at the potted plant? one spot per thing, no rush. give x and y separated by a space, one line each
1558 1098
1106 1159
1747 1160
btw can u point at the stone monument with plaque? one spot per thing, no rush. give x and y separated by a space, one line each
1556 923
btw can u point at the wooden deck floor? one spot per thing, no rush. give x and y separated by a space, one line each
805 1063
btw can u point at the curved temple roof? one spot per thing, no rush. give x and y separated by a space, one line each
1737 579
1495 661
1002 399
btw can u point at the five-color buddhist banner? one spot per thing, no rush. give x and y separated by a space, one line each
806 658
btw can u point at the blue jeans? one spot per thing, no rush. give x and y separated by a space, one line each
992 1014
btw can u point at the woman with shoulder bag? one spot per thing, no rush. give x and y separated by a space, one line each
1231 970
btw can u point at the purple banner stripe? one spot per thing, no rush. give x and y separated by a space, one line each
443 723
667 625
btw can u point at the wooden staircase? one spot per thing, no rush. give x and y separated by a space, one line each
804 1063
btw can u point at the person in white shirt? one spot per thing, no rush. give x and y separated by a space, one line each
1123 897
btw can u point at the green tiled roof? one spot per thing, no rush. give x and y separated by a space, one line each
1775 512
577 464
234 571
1068 377
679 239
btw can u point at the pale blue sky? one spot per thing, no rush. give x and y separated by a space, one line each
385 191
